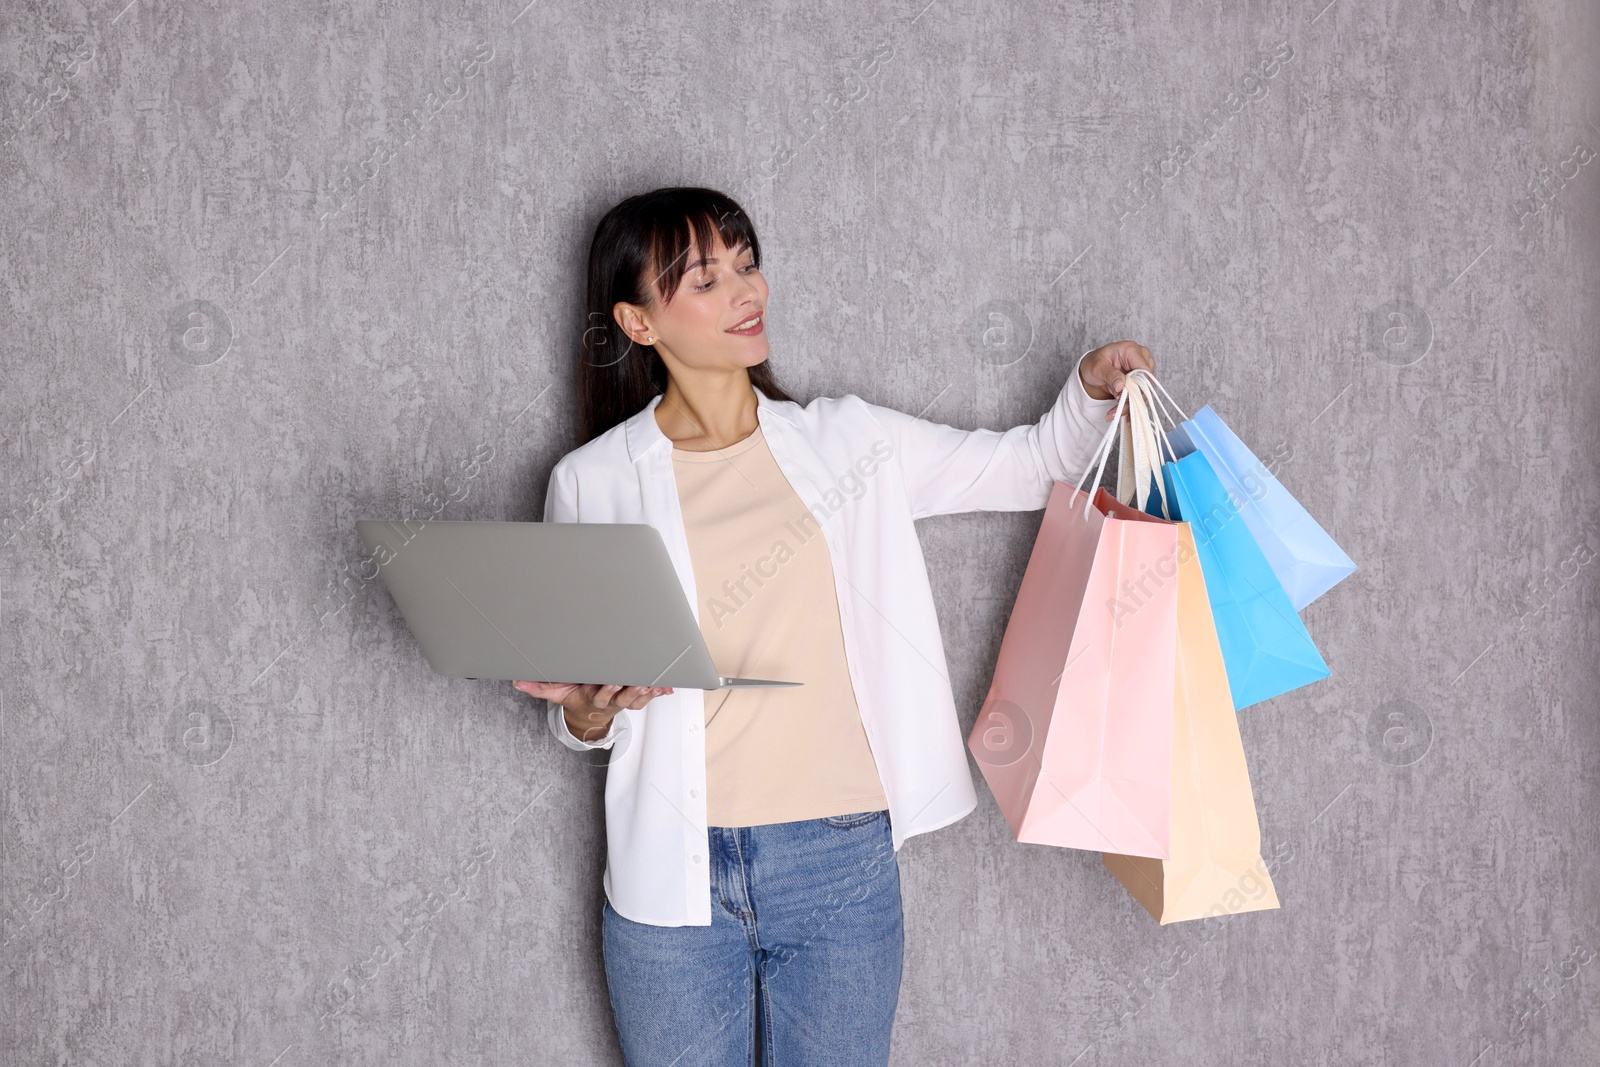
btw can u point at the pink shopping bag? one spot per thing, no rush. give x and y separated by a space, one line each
1075 736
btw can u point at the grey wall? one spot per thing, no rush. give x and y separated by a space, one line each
231 329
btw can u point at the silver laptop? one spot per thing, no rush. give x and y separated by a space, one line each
545 602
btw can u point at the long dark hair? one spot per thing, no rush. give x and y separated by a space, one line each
647 236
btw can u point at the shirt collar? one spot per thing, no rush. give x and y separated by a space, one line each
644 433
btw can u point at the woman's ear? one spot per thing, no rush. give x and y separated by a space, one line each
631 320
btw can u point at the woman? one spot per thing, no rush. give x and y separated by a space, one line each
752 893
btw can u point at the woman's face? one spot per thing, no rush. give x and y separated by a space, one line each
722 292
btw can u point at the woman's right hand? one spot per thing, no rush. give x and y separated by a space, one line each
590 708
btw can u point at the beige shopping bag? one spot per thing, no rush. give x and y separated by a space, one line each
1215 865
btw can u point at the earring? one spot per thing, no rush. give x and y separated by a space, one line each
649 340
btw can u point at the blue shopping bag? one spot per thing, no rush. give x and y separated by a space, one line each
1265 647
1305 559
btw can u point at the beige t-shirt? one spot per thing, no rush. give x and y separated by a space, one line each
768 609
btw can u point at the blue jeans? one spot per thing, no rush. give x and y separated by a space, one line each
802 957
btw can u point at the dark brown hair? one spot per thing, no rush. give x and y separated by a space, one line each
643 238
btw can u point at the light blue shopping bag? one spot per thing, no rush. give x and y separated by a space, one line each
1304 558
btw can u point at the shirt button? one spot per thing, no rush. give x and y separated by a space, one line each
697 858
694 792
694 728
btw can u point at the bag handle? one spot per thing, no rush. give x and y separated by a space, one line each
1097 461
1149 436
1142 441
1158 409
1161 405
1133 461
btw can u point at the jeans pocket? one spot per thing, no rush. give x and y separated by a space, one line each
845 822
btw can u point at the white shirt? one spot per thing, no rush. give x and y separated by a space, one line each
866 472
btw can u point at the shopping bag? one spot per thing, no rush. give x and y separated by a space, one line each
1265 647
1305 560
1075 734
1214 865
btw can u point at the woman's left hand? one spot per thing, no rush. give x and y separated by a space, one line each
1101 371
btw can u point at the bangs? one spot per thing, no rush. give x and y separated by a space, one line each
677 227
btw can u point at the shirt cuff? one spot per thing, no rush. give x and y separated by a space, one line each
1092 411
558 726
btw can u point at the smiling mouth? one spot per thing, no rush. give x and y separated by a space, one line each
752 325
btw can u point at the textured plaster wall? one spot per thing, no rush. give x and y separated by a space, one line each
248 297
